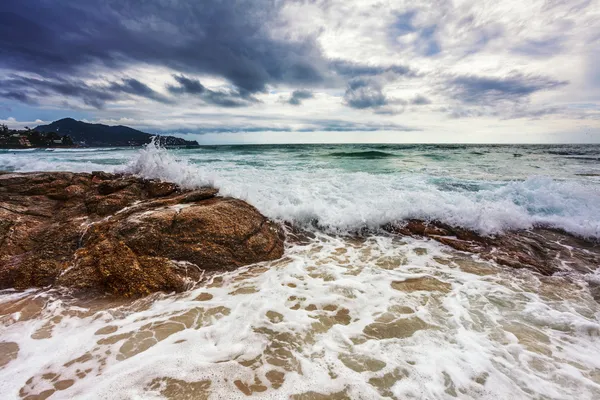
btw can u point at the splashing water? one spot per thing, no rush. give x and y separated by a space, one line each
154 161
360 318
488 192
340 316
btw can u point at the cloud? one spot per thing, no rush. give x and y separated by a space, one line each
420 100
488 90
317 125
354 69
187 85
229 99
30 90
424 41
299 95
364 93
172 63
346 126
543 48
137 88
18 96
230 39
33 90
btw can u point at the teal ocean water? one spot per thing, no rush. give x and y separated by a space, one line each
489 188
341 315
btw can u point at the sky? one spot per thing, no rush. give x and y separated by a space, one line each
291 71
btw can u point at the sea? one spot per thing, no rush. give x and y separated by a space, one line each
350 311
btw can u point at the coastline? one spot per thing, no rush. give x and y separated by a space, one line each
368 309
42 246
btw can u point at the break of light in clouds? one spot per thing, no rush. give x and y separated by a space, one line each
308 71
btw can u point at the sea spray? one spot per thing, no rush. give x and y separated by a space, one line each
155 162
489 192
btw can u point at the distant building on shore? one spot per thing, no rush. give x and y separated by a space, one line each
28 138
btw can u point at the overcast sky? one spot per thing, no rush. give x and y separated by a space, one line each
256 71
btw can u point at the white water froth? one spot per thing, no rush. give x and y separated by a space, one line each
155 162
343 201
492 335
340 200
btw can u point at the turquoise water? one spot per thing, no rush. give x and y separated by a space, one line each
489 188
502 162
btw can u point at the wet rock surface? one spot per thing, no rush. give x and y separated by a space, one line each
122 234
546 251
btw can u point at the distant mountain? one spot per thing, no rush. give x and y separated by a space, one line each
98 135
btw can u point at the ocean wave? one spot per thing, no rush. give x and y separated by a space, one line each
17 150
339 200
343 202
585 158
368 155
153 161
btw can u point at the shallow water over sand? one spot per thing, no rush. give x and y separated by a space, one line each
338 317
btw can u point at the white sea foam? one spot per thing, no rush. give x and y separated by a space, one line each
488 333
155 162
340 199
84 149
489 336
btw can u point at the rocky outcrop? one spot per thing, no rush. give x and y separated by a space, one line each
122 234
546 251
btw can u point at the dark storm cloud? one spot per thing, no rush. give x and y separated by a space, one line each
28 90
364 93
299 95
137 88
18 96
488 90
187 85
55 38
228 99
354 69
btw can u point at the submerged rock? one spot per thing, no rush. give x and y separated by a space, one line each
546 251
123 234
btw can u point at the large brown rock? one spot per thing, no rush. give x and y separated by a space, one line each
122 234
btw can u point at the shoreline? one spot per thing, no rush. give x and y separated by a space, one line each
52 199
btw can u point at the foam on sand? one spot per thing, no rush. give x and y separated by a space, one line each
332 317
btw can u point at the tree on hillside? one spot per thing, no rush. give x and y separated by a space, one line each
67 141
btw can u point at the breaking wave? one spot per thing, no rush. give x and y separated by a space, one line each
153 161
313 194
349 201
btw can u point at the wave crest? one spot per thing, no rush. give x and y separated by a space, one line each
155 162
345 200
